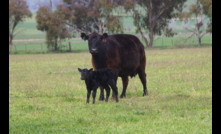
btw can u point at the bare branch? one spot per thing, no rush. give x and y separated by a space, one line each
96 22
186 39
192 31
203 34
18 32
161 12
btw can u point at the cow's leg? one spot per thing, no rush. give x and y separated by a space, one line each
125 83
107 92
142 76
115 90
101 94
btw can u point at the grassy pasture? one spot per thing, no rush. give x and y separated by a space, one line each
46 95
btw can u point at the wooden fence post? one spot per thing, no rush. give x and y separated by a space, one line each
162 41
69 44
172 41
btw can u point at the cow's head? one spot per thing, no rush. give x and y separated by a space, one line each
94 41
84 73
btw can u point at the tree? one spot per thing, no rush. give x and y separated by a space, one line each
92 16
153 16
18 12
53 24
196 11
207 10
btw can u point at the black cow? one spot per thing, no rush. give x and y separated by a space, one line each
101 77
124 53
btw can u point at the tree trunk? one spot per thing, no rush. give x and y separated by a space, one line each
198 40
10 42
151 37
143 37
150 24
100 25
51 5
198 35
145 40
55 44
10 47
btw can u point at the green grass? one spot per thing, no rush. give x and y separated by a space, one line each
46 95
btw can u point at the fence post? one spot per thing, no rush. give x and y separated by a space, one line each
162 41
172 41
69 44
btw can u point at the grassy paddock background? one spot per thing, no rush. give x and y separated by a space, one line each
46 95
31 40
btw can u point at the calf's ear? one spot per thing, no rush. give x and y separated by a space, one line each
79 70
84 36
104 36
91 70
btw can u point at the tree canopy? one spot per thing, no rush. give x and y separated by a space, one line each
154 16
18 11
92 15
53 23
207 10
197 10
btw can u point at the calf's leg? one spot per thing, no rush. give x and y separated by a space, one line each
107 92
88 95
115 90
101 98
115 81
94 94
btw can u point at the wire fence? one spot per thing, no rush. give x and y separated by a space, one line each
78 44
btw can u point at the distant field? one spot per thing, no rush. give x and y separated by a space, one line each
28 28
46 96
28 31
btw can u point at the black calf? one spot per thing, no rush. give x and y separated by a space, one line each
101 77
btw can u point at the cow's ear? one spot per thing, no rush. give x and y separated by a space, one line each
84 36
79 69
104 36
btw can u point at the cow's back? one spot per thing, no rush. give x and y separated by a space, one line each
128 51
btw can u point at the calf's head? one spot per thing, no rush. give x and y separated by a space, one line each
94 41
84 73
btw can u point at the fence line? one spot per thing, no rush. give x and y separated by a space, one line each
79 45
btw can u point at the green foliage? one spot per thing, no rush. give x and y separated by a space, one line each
92 16
46 95
196 10
114 24
207 10
54 25
18 11
207 7
155 17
